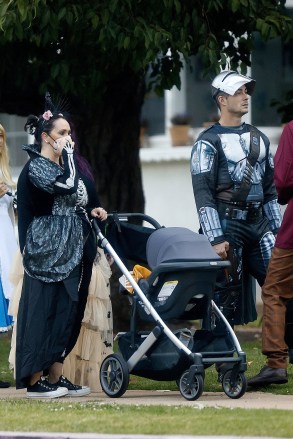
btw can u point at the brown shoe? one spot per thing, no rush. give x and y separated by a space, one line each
268 375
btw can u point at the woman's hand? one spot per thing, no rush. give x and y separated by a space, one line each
100 213
3 189
65 143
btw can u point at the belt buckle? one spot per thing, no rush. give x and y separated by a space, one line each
239 214
253 213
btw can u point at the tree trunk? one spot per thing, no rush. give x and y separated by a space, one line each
109 139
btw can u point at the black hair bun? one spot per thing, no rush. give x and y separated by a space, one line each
31 124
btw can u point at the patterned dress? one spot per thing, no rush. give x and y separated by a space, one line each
58 249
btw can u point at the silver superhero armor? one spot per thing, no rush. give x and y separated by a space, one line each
218 164
210 172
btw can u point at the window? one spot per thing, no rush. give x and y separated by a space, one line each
272 66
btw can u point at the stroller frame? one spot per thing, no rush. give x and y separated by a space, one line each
115 370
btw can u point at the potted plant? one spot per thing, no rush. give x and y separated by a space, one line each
180 129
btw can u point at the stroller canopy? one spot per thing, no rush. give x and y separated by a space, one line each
178 244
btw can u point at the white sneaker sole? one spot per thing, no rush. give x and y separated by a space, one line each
85 390
61 391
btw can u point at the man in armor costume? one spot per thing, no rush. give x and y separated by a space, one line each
232 175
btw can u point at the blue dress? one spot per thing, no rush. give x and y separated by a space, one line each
8 248
5 319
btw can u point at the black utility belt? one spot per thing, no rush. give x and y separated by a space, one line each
249 213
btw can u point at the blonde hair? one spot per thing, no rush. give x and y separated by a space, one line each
4 162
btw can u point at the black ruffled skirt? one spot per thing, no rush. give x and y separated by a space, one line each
48 321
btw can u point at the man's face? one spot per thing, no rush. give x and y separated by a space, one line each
238 103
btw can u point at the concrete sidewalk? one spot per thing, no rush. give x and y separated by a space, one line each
251 400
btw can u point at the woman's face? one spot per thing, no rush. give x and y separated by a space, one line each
58 136
61 129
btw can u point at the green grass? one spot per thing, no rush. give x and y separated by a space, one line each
5 373
99 417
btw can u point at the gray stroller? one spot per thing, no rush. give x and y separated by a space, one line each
181 285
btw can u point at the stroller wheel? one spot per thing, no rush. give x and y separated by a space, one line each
191 391
178 379
114 375
238 388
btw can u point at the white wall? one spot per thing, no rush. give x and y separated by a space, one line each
168 193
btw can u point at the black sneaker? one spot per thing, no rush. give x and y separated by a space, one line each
44 389
4 384
222 368
73 389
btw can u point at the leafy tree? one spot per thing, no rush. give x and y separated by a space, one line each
96 52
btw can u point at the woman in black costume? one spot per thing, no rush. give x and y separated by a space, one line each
58 247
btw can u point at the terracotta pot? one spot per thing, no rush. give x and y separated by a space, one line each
180 135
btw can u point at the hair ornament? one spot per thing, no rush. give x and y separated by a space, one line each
31 124
47 115
57 106
49 106
35 125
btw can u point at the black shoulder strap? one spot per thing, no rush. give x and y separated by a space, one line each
244 188
254 146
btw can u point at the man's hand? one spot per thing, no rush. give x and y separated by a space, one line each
222 249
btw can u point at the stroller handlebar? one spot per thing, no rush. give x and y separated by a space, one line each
144 217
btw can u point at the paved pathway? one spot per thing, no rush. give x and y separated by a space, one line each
251 400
